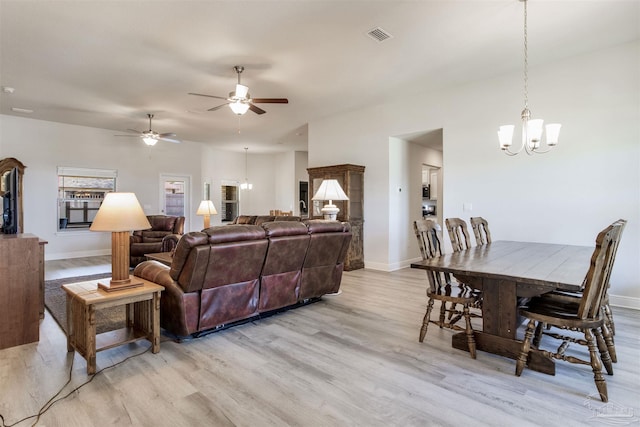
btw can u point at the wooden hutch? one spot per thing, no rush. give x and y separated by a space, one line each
351 179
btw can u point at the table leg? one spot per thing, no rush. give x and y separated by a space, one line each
69 323
90 338
500 322
155 322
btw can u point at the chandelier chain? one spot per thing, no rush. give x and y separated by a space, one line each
526 60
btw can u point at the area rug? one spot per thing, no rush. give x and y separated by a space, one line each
55 299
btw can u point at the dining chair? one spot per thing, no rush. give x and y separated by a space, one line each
480 228
460 241
585 317
458 234
565 297
441 287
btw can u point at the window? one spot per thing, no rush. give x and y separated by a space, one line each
80 194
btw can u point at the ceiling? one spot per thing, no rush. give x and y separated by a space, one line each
106 63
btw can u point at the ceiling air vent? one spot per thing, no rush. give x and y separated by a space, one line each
378 34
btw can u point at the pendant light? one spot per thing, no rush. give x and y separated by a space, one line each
531 128
246 185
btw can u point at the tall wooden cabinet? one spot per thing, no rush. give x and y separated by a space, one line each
20 289
351 179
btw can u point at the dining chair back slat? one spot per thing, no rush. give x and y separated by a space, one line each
480 228
458 234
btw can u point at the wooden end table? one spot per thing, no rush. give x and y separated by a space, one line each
143 318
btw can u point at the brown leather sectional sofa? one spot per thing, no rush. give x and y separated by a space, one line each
226 274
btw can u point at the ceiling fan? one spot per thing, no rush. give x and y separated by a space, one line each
151 137
240 101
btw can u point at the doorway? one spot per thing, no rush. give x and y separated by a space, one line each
175 196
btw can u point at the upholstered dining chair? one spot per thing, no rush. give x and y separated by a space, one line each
480 228
441 287
585 317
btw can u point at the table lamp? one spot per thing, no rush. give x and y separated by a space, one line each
206 209
330 190
120 213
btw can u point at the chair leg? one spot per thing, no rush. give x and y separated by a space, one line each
452 309
471 340
425 321
443 311
608 339
609 318
596 366
524 351
604 351
537 336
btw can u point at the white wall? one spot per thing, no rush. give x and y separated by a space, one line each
566 196
43 146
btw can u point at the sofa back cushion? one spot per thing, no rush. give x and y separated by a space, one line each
161 226
245 219
323 259
280 280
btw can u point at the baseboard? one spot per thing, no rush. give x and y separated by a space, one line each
379 266
67 255
626 302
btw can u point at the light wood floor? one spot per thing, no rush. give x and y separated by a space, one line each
348 360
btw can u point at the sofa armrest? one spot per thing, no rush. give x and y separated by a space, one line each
135 238
170 241
155 272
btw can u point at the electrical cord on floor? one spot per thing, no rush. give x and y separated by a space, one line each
52 401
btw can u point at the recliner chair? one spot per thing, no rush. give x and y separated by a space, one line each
163 236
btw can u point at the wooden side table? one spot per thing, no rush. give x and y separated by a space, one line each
164 257
143 318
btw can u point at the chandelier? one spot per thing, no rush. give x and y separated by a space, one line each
531 128
246 185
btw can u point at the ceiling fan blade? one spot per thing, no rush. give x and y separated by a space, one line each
270 100
130 136
218 107
168 134
256 110
208 96
175 141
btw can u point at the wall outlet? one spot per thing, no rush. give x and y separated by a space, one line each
467 207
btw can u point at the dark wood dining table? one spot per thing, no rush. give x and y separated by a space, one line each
506 272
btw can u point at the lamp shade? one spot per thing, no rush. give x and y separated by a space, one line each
120 212
206 208
330 190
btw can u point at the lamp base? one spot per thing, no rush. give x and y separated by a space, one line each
118 285
330 212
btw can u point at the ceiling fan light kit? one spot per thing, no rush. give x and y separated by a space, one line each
239 100
151 137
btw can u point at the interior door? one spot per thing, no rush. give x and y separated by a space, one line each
175 197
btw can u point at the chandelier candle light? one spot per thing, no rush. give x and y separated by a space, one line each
531 128
206 209
330 190
120 213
